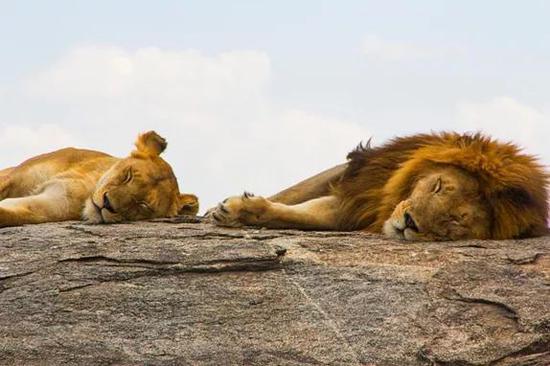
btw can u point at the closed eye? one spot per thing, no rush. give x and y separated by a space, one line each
128 177
145 205
437 186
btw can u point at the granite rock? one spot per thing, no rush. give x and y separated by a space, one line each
170 292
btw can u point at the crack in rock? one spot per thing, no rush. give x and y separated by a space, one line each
539 348
506 310
530 259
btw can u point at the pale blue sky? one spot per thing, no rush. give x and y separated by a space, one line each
379 68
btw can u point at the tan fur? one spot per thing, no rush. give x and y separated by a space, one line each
424 187
70 184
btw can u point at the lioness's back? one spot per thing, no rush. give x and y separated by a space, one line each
63 157
24 178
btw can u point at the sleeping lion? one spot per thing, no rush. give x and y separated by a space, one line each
444 186
70 184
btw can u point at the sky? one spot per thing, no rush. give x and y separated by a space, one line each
257 95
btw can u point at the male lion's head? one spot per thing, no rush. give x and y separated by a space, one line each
466 187
141 186
445 204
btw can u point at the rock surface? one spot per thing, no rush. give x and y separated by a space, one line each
176 293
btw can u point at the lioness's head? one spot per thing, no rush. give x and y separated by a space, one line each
141 186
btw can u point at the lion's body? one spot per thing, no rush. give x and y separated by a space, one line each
59 186
50 187
29 177
425 187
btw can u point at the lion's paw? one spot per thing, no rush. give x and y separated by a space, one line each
241 210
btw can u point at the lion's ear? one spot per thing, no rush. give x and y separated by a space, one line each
188 204
150 144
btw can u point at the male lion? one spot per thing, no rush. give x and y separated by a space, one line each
72 183
444 186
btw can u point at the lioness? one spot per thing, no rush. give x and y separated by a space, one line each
71 183
444 186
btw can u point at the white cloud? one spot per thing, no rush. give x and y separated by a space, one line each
380 49
509 120
112 72
22 142
224 132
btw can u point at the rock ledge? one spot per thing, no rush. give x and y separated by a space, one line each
176 293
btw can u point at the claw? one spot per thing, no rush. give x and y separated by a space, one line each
215 217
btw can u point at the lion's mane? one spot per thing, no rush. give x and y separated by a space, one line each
513 185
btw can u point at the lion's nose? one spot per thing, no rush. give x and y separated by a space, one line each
107 203
409 222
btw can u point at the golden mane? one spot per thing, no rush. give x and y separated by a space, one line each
513 185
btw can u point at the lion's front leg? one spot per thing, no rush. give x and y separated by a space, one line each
316 214
246 209
54 203
15 215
